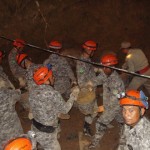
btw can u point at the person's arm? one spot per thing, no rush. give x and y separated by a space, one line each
69 71
64 107
46 61
15 95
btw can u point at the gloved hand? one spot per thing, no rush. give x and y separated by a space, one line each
90 86
73 83
64 116
100 108
95 69
75 91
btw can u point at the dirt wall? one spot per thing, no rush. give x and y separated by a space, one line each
108 22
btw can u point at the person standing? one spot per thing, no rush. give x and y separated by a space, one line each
47 104
136 132
112 86
64 76
85 71
137 62
17 71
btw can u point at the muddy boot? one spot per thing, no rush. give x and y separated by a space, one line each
87 129
101 129
95 141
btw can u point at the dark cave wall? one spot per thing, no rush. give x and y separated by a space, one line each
108 22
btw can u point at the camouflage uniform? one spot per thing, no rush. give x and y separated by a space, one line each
112 85
136 61
16 70
62 72
136 138
20 74
4 76
47 104
30 82
85 72
9 122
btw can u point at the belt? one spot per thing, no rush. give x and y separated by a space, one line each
43 128
143 70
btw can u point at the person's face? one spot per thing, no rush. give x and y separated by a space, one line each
89 53
50 81
27 63
132 114
107 71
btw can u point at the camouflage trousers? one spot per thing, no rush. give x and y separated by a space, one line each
105 119
137 82
47 141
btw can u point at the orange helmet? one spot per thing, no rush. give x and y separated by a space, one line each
55 45
20 58
90 45
136 98
21 143
109 60
41 75
19 43
1 54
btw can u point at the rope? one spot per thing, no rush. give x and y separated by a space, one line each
72 57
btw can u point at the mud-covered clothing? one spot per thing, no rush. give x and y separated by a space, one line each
16 70
85 72
47 104
62 72
136 61
112 85
136 138
10 125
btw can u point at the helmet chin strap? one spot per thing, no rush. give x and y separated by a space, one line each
87 53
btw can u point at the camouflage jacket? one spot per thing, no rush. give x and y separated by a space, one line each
112 85
85 72
47 104
136 138
9 122
62 72
14 67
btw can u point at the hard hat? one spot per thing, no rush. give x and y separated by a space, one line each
20 58
136 98
21 143
125 45
1 54
55 45
109 60
41 75
19 43
90 45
